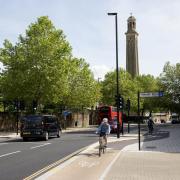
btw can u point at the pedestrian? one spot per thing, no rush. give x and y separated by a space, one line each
150 125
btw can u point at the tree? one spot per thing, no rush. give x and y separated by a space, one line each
128 88
83 89
170 82
40 68
147 83
36 65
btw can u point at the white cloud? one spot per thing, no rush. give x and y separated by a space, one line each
100 71
1 67
92 33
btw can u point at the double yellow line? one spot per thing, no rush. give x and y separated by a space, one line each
47 168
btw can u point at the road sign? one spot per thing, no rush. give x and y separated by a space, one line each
152 94
65 113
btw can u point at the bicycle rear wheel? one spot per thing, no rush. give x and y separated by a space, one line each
104 150
100 151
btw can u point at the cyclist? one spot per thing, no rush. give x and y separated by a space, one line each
150 125
104 130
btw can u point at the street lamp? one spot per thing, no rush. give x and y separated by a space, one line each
117 73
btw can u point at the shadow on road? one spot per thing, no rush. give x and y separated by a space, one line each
156 136
80 132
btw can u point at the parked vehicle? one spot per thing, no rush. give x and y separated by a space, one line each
175 119
40 126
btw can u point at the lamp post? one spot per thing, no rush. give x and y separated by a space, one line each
117 73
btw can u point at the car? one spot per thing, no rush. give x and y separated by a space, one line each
175 121
40 126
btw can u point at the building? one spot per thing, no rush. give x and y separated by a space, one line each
162 117
132 64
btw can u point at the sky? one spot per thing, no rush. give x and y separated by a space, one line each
91 32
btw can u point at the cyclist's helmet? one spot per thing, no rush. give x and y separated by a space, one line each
105 120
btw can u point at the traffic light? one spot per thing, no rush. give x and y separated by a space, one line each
121 103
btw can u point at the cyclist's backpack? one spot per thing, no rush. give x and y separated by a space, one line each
104 128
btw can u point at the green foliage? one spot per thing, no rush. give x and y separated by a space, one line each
170 81
83 90
40 67
129 88
147 83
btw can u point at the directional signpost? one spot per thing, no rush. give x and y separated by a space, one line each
146 95
152 94
65 114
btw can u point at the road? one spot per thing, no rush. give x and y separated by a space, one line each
149 163
20 159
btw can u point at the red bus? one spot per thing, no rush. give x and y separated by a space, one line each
109 112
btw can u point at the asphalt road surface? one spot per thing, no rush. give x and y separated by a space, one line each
20 159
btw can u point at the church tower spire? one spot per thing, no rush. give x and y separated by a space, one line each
132 64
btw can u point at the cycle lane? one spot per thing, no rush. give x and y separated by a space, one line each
88 164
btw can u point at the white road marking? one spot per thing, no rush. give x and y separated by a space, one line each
3 143
48 174
87 164
40 146
9 153
109 166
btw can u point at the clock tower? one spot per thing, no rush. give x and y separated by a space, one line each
132 64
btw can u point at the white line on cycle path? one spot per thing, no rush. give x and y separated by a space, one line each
10 153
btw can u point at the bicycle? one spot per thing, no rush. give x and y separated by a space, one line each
102 147
151 129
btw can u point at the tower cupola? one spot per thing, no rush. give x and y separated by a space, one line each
131 23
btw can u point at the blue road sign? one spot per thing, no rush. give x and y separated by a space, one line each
152 94
161 93
65 113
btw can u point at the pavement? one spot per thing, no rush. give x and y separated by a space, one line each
158 159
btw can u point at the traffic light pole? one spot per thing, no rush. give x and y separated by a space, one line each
139 127
128 123
128 108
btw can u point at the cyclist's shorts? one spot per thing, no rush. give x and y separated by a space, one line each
102 134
